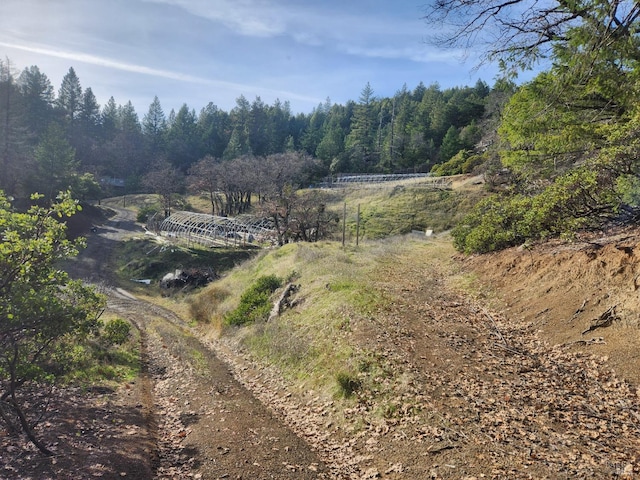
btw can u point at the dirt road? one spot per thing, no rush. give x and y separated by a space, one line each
461 391
197 420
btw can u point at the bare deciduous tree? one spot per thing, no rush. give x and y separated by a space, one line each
204 177
521 32
164 180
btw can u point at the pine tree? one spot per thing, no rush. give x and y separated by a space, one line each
13 133
451 143
38 99
361 139
70 96
56 163
154 127
183 147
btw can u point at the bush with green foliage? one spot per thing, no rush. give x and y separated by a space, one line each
585 197
255 302
146 212
43 312
348 384
116 331
465 161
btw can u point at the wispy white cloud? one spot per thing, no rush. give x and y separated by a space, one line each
103 62
258 18
141 69
214 50
313 24
414 53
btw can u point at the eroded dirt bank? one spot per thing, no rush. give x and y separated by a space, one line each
564 289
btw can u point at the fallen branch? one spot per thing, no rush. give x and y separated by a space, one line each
495 327
437 449
593 341
604 320
579 311
283 301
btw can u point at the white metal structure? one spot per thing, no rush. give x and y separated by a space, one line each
421 180
212 230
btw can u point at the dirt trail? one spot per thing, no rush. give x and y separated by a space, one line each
200 421
462 391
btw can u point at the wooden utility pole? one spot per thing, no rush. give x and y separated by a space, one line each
358 227
344 223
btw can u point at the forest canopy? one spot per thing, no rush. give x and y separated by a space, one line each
64 135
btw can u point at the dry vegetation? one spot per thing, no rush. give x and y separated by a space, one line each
428 364
401 359
443 381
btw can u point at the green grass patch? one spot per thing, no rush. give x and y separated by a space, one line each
315 343
110 356
310 342
147 259
402 210
198 361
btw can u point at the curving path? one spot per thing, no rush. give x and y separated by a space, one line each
200 421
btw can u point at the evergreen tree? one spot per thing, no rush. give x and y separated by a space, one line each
361 139
86 132
128 120
69 99
280 116
89 115
398 144
214 130
127 147
314 130
109 120
239 141
332 144
154 128
451 143
183 148
38 99
56 164
234 148
13 134
259 128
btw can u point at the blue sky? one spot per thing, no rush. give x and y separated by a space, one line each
201 51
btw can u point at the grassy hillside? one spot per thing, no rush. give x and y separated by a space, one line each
426 365
312 343
315 342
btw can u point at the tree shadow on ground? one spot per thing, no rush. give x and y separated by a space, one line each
90 435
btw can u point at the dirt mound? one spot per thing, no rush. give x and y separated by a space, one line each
583 294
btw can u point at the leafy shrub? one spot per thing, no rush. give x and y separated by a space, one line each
348 384
629 188
582 198
116 331
472 162
453 166
146 212
254 302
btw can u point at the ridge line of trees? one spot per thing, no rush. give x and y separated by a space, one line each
51 141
